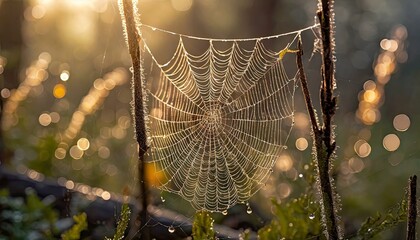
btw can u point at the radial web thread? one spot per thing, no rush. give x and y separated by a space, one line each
217 119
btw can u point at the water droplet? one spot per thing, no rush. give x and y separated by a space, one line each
370 229
225 212
162 199
290 224
311 216
249 210
301 175
171 229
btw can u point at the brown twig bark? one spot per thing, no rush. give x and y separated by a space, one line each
324 136
134 41
412 208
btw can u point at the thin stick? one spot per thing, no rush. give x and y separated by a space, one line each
328 101
323 159
323 137
305 89
134 41
412 208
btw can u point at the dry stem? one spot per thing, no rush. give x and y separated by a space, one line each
323 136
412 208
134 41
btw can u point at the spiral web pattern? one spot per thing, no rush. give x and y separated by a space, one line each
218 120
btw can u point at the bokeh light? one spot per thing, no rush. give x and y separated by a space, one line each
59 91
401 122
362 148
301 144
5 93
104 152
106 195
356 164
395 158
38 11
60 153
83 144
391 142
284 163
301 120
181 5
44 119
284 190
55 117
75 152
64 76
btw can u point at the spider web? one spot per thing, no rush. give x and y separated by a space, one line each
219 114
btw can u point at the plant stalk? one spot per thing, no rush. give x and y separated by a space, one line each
412 208
134 41
323 136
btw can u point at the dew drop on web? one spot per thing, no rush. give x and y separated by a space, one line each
249 210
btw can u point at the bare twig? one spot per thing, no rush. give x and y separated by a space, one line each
412 208
134 40
323 137
305 89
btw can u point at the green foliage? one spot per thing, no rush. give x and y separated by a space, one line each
33 219
122 223
202 228
74 232
297 219
45 149
378 223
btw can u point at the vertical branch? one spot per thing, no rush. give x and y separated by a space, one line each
328 101
412 208
133 41
324 136
305 90
325 145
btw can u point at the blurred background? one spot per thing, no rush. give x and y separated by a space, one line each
65 92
